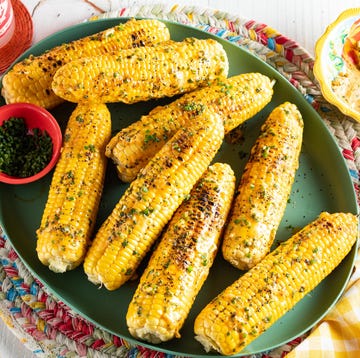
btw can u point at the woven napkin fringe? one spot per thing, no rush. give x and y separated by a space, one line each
51 329
46 325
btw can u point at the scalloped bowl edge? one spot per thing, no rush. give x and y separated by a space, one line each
318 69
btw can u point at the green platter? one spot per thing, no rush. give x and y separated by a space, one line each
322 183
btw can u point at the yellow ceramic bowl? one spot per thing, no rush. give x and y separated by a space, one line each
329 61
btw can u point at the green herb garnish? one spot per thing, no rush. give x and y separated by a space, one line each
23 153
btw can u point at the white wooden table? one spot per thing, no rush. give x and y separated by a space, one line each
303 21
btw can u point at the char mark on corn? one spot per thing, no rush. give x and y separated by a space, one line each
264 188
74 195
30 79
144 73
151 199
236 99
248 307
182 260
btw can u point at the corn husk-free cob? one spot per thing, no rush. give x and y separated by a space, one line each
182 260
264 188
30 80
151 199
236 99
75 191
249 306
144 73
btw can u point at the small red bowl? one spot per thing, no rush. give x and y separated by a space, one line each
35 117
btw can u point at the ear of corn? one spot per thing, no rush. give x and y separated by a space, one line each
30 80
150 201
76 187
266 292
264 188
181 263
236 99
141 74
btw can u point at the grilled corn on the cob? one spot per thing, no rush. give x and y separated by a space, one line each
76 187
266 292
144 73
150 201
264 188
181 263
30 80
236 99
